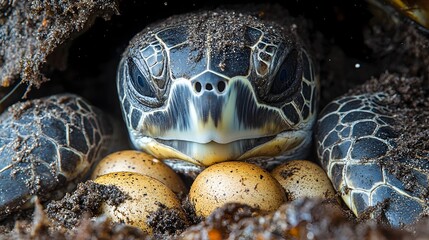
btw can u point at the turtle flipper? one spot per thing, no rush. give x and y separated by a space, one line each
46 145
354 135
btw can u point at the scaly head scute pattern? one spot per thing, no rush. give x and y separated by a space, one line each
217 86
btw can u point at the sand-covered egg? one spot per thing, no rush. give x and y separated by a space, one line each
238 182
142 163
145 196
302 178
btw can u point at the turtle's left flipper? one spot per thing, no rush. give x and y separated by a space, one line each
354 137
46 146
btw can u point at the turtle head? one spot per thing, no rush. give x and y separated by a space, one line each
197 89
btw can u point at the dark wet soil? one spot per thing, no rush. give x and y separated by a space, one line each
166 222
33 33
300 219
351 44
84 201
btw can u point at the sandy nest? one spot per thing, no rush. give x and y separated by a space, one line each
37 39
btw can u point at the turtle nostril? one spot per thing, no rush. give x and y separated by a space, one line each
209 87
221 86
197 87
202 86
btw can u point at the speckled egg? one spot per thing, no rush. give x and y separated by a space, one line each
145 196
301 178
139 162
239 182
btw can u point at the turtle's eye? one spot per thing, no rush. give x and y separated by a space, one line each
286 79
140 82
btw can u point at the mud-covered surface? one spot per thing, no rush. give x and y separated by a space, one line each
166 222
84 201
227 29
35 137
41 227
351 43
59 219
408 102
300 219
33 33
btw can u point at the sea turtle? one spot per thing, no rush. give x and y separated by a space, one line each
208 87
218 86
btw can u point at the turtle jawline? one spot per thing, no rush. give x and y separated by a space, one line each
246 144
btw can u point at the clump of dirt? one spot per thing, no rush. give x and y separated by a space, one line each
100 228
301 219
84 201
220 223
166 222
74 217
31 32
190 211
103 229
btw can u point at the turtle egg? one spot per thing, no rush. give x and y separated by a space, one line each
238 182
145 196
301 178
142 163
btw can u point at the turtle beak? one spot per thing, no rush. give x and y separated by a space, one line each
211 153
211 119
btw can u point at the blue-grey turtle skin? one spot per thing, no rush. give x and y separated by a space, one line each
48 145
216 86
354 134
